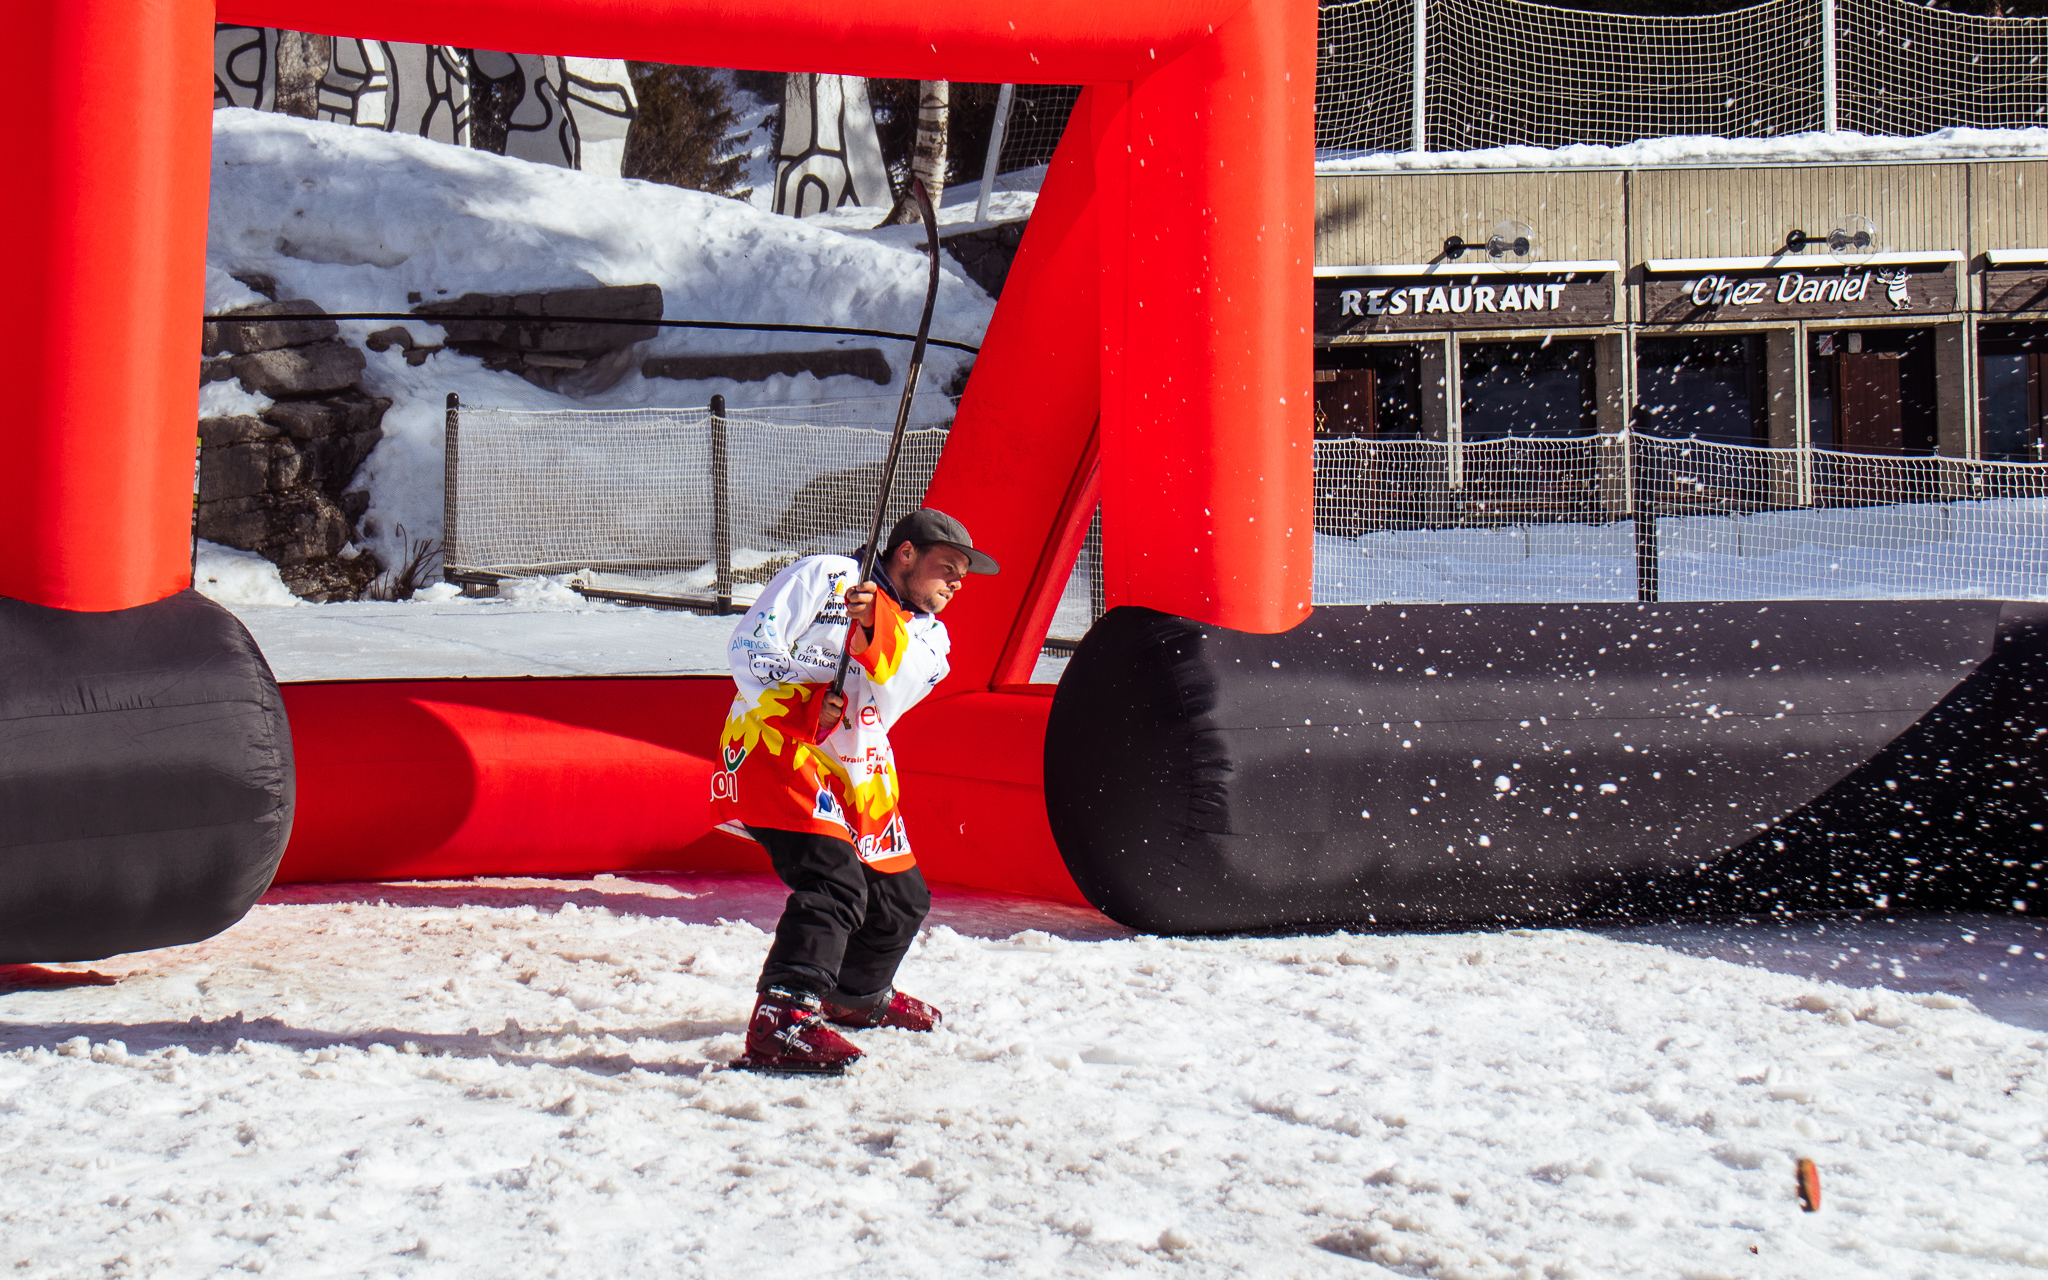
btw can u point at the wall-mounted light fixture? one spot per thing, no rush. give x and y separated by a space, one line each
1510 244
1856 235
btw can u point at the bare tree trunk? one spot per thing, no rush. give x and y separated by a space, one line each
928 155
302 62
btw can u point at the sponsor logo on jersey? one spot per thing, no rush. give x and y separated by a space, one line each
828 808
725 785
892 842
870 714
734 754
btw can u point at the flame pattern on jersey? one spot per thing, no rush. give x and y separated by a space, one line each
784 654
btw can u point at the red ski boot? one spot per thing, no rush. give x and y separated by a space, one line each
786 1036
894 1009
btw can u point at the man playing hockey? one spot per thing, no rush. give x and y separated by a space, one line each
812 776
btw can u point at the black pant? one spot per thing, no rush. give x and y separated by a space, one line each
846 926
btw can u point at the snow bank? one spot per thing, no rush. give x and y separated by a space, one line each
1799 148
238 579
526 1078
358 220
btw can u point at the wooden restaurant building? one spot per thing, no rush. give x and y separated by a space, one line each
1892 308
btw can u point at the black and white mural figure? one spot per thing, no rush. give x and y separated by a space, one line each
553 110
571 112
831 155
442 75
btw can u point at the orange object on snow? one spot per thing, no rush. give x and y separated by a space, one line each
1809 1186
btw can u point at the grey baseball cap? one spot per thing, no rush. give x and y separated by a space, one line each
926 525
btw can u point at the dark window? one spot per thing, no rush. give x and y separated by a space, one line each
1872 391
1703 388
1369 392
1526 389
2015 361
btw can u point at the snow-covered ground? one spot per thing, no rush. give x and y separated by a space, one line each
528 1078
1014 197
455 639
1987 549
1799 148
480 639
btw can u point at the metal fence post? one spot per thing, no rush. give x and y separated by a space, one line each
1418 118
1828 117
1646 524
721 509
1004 96
450 486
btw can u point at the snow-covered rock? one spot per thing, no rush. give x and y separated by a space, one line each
360 220
238 579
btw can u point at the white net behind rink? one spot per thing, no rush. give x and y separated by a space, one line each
632 493
1910 68
1519 73
1609 518
1515 73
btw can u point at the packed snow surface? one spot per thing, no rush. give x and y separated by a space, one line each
543 630
1651 153
520 1077
1990 549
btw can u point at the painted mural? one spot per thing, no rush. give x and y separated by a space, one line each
572 112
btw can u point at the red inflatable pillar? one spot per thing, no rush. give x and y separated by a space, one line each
1022 434
106 231
1206 192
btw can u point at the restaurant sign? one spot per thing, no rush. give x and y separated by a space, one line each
1815 292
1347 305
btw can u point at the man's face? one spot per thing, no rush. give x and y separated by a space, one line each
927 578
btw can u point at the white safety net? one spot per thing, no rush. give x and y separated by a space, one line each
1365 75
1081 599
1038 118
1627 518
631 500
1515 73
641 500
1511 73
1908 69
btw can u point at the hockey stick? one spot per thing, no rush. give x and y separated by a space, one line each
924 329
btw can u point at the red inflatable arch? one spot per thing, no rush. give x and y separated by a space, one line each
1151 350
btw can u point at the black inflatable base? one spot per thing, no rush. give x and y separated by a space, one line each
145 777
1412 764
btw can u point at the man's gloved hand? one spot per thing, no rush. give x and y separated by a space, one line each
860 607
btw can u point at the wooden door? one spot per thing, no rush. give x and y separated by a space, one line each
1868 417
2034 405
1345 404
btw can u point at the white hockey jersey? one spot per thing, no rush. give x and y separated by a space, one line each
784 654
